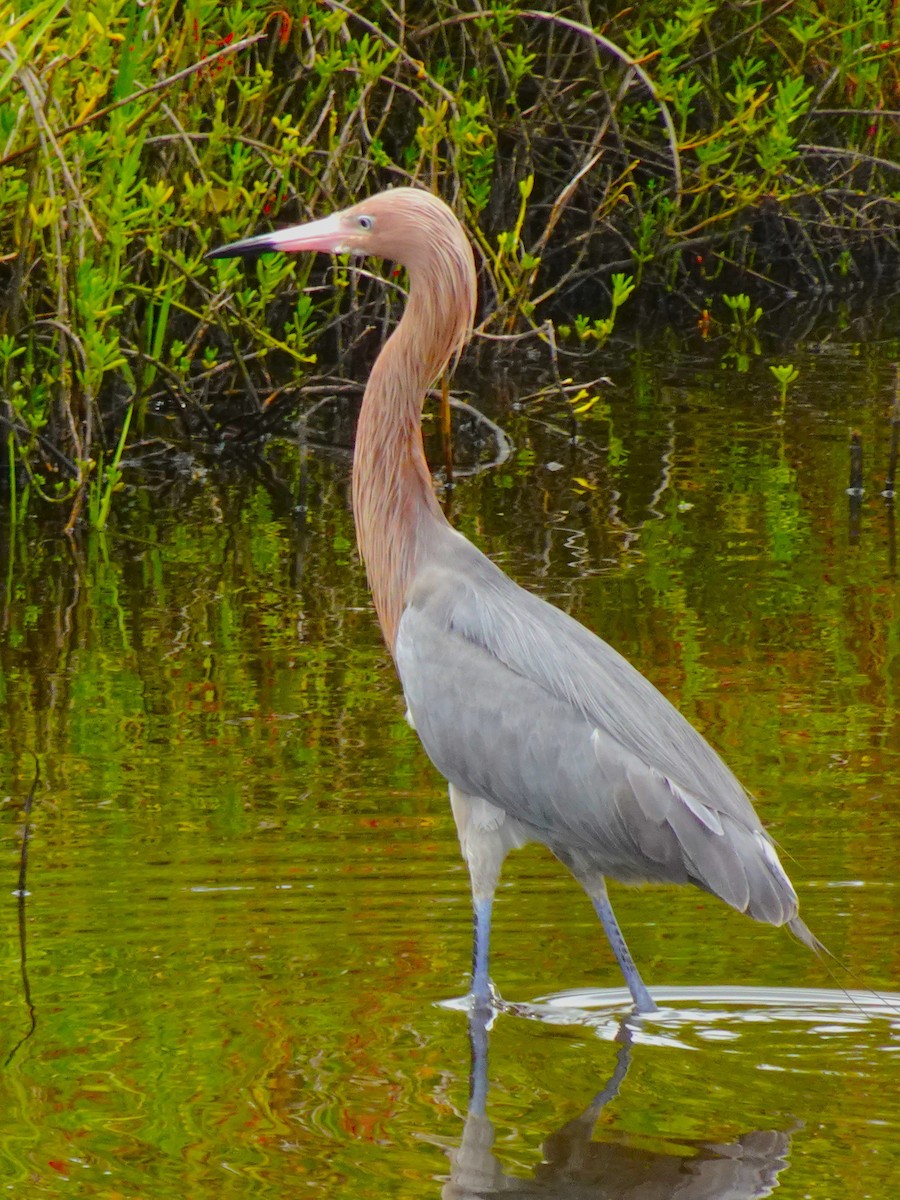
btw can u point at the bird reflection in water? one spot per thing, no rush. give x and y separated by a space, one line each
575 1167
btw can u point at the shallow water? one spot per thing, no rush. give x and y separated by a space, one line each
247 918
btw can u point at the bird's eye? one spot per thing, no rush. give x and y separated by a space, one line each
366 223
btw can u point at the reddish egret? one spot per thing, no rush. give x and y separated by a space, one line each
543 731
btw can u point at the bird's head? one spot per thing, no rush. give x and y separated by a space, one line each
406 225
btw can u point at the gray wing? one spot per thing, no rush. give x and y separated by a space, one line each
517 702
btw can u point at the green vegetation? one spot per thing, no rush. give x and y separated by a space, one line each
741 332
693 146
785 374
599 329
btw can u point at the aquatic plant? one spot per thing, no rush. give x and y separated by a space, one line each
785 374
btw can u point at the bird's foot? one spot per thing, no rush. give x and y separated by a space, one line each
484 998
644 1004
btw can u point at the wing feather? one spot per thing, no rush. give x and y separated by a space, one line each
517 702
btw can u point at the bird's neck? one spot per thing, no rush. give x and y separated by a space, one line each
398 518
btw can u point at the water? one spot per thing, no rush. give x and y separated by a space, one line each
247 918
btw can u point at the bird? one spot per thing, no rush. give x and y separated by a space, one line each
544 732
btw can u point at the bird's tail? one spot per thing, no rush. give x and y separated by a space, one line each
804 934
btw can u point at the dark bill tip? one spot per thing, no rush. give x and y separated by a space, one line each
246 248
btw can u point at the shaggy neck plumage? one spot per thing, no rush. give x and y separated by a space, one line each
396 512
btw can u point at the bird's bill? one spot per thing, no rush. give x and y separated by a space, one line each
328 235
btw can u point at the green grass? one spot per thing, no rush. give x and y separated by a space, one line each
697 148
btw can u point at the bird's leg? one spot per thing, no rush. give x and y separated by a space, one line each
595 885
484 838
481 980
643 1001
